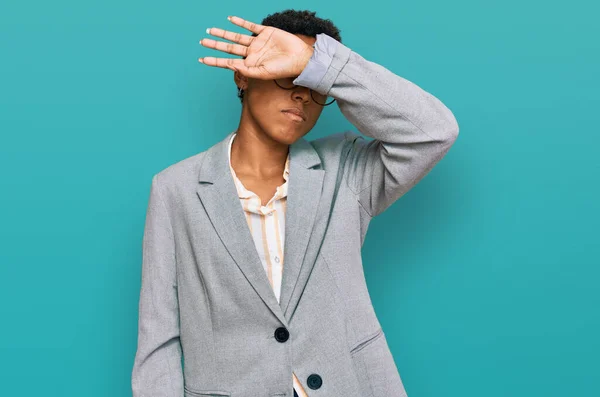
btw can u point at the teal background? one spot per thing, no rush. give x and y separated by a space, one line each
484 276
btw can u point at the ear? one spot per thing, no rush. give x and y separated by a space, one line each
240 80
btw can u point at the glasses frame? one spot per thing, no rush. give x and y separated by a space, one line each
311 94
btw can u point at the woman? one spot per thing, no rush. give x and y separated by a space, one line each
220 313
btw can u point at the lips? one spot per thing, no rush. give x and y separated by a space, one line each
295 111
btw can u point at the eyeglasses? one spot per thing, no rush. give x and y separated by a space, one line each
320 99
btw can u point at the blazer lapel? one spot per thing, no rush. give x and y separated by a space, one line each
218 195
303 198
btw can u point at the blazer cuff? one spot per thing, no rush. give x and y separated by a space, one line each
324 65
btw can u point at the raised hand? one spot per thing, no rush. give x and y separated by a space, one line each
272 54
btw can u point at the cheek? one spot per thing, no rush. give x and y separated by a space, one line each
265 107
268 101
315 115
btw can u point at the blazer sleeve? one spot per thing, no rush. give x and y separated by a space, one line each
412 129
157 369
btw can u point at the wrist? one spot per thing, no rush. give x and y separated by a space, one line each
305 58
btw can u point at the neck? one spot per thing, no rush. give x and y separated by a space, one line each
255 153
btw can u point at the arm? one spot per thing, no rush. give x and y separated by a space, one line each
412 129
157 369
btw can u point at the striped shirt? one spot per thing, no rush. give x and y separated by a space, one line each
267 226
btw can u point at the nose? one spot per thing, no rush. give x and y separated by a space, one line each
301 93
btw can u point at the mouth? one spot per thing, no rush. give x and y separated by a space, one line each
294 114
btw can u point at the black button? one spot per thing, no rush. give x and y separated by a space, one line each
282 334
314 381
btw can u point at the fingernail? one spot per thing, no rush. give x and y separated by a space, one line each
229 18
208 30
200 60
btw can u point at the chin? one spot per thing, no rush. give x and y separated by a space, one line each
287 136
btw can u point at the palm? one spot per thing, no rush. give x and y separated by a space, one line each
272 54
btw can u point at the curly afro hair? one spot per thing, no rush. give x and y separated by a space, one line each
302 22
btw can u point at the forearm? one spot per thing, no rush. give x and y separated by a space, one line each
412 129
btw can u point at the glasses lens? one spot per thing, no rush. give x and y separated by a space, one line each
287 83
321 99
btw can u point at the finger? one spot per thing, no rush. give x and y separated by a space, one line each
230 48
251 26
234 64
226 63
243 39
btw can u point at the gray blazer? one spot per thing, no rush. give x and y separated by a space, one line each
209 322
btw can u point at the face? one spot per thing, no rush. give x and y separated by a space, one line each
264 103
